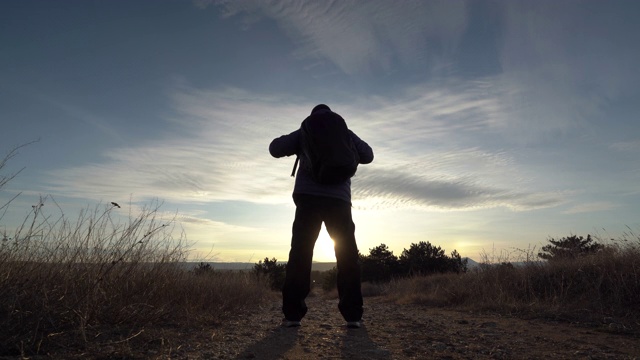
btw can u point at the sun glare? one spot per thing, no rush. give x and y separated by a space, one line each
323 251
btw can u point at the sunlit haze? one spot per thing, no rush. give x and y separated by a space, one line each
495 124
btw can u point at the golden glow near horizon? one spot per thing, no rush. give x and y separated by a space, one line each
324 249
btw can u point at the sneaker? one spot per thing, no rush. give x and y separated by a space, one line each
290 323
354 324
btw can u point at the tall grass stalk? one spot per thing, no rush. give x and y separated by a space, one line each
78 283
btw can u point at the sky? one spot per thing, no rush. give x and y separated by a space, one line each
495 125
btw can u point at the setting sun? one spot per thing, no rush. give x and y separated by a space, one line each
323 251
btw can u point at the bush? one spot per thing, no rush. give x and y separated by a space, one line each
274 272
203 269
330 280
569 248
423 258
380 265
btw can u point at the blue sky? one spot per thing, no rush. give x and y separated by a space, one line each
495 124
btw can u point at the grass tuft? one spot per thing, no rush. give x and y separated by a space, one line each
100 280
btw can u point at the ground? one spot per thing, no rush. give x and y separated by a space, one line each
390 331
393 331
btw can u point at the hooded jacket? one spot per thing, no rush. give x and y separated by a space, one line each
287 145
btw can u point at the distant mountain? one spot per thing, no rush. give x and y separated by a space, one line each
322 266
471 263
319 266
228 265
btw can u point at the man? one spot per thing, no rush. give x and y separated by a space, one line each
316 203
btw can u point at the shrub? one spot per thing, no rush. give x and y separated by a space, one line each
203 269
380 265
569 248
423 258
274 272
330 280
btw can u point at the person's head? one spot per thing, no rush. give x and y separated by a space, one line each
320 107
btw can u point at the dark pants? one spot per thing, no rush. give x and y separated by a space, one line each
311 211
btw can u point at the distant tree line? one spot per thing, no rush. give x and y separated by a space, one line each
422 259
380 265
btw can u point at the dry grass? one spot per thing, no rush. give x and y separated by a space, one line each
101 280
601 288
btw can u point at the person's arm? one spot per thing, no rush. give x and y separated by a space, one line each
285 145
364 150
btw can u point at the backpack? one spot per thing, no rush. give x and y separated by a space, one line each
328 149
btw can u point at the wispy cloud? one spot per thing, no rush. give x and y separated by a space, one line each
218 152
361 37
215 228
591 207
427 115
548 80
390 188
77 113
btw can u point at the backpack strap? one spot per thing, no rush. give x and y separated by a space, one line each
295 166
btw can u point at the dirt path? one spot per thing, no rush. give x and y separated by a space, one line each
403 332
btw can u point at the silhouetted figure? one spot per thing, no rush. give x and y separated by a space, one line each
326 149
115 204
